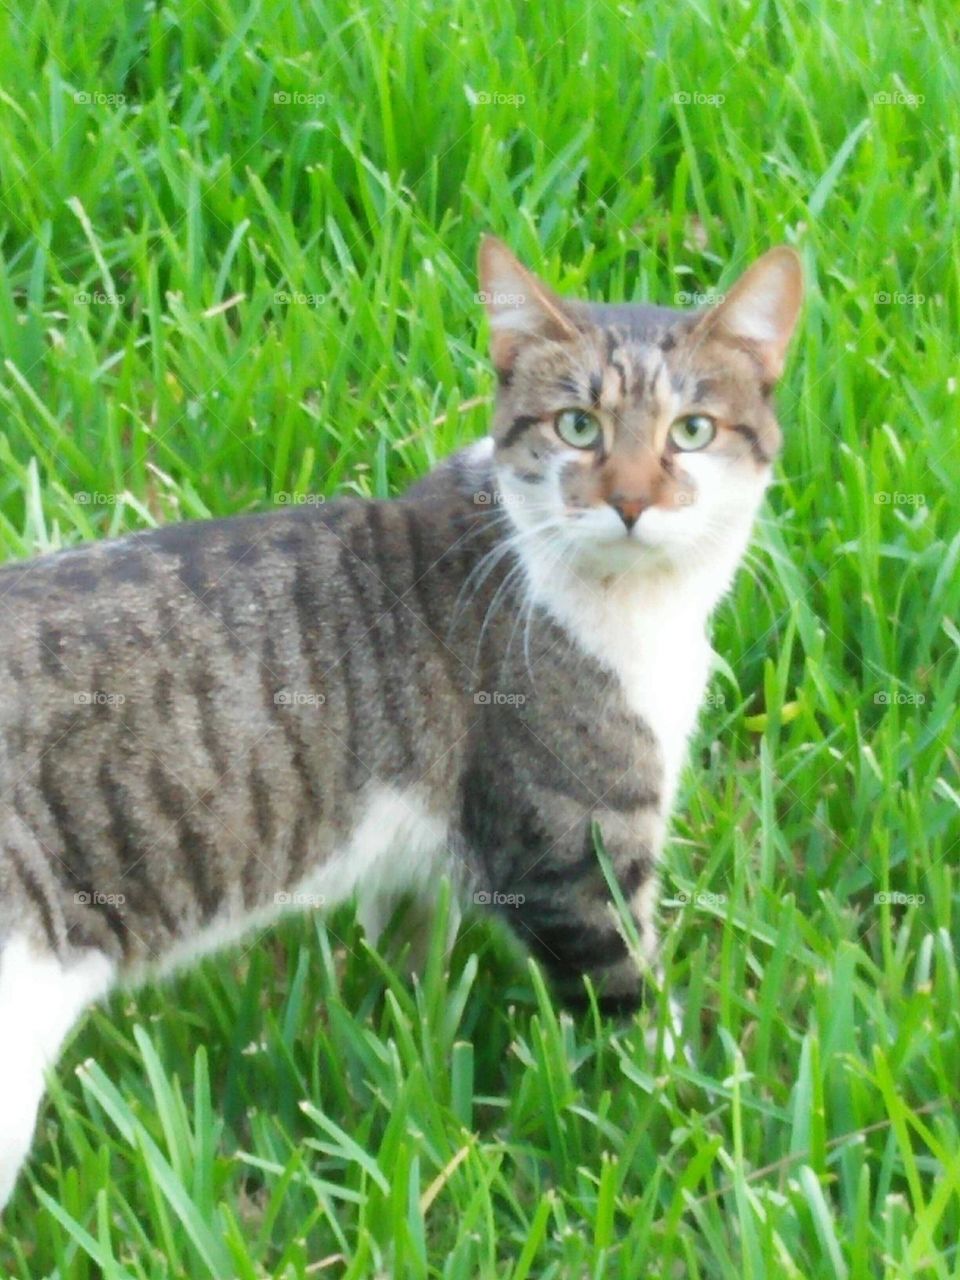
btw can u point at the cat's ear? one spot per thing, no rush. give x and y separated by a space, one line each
762 307
521 307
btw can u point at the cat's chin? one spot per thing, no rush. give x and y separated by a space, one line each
630 552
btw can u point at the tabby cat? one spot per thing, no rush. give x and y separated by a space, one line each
205 725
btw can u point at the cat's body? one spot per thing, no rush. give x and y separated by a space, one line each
205 725
189 745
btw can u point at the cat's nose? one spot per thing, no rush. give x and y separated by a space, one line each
628 509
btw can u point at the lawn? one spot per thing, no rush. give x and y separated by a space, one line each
237 269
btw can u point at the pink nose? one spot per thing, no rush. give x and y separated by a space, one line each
628 509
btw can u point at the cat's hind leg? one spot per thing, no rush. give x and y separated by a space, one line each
41 996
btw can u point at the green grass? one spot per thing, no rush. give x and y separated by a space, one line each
298 1109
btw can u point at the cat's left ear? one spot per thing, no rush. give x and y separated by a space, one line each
762 308
521 308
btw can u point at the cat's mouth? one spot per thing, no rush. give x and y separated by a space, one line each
646 533
637 548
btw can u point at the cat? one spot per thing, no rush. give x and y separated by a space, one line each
207 724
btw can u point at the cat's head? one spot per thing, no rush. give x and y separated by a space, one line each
635 435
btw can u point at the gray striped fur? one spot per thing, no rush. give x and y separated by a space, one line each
193 719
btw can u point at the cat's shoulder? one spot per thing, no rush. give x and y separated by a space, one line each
466 474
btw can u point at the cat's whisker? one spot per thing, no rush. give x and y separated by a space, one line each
502 589
489 561
533 604
528 601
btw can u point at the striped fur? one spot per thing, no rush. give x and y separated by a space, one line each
194 740
205 725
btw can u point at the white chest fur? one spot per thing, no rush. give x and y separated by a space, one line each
663 660
653 635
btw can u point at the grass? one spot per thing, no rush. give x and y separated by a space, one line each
213 298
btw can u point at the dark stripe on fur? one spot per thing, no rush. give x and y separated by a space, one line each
617 364
297 854
264 819
547 770
753 440
132 847
203 687
286 717
49 641
517 428
393 626
572 948
369 609
198 854
36 892
419 564
307 605
162 697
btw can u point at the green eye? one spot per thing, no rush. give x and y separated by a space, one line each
693 432
578 428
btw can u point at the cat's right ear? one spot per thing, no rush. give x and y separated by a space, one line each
521 307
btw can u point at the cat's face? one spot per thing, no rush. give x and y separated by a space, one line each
632 435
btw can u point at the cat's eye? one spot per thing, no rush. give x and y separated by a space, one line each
578 428
693 432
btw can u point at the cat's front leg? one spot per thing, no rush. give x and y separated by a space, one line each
40 998
577 932
565 913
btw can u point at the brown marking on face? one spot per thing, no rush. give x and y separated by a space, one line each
628 479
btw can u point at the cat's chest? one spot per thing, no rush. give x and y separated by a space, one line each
659 651
663 671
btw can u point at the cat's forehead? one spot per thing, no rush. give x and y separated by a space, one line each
644 342
637 322
635 354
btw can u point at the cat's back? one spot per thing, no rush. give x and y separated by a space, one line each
78 596
182 583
